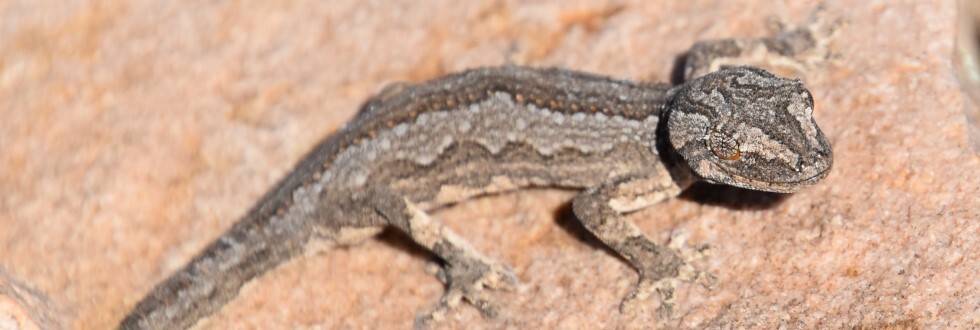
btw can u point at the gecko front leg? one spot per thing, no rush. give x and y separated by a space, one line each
601 209
788 52
468 273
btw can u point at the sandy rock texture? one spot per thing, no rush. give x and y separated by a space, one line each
134 132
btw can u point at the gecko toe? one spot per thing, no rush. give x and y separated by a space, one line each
472 282
663 287
664 274
476 285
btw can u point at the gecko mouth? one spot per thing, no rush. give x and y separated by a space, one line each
789 186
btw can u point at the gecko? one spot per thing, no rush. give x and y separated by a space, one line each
414 148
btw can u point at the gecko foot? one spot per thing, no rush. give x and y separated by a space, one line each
673 268
665 288
472 281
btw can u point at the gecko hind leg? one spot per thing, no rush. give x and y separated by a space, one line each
467 273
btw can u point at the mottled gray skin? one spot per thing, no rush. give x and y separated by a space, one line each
416 148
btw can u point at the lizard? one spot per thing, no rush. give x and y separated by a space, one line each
414 148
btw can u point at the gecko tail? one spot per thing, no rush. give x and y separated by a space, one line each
214 277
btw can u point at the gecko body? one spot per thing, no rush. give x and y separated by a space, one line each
415 148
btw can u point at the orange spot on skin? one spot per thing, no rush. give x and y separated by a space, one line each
736 156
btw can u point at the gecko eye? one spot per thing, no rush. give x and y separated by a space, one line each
723 146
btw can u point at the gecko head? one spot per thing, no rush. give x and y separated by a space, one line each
748 128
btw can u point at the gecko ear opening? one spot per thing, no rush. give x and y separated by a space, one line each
748 128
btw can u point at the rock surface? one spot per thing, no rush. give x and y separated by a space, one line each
134 132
